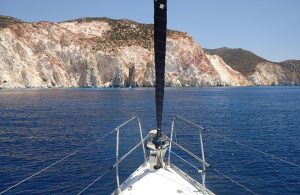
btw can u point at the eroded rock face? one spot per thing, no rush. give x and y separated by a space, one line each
258 70
100 53
228 76
267 73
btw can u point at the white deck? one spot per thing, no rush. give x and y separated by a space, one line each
169 181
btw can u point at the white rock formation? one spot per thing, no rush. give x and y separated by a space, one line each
267 73
228 76
45 54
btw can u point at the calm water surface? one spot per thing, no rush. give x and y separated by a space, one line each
38 127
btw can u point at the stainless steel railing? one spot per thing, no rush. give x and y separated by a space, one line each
117 129
202 159
119 160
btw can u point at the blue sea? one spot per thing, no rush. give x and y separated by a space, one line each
40 126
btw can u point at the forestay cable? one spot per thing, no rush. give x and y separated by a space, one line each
56 162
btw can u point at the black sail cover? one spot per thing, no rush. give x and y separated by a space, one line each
160 34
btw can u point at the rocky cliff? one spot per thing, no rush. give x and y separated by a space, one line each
258 70
227 74
101 52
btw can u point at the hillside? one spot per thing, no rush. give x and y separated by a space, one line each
6 21
124 33
102 52
258 70
292 65
239 59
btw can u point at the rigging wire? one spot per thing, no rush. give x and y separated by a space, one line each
103 174
216 170
242 144
56 162
117 163
232 180
175 154
256 150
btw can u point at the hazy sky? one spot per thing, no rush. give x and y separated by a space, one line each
269 28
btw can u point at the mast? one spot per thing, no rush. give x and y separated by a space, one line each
160 34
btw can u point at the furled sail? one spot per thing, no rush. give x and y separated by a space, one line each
160 33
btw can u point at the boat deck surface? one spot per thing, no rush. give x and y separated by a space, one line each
168 180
